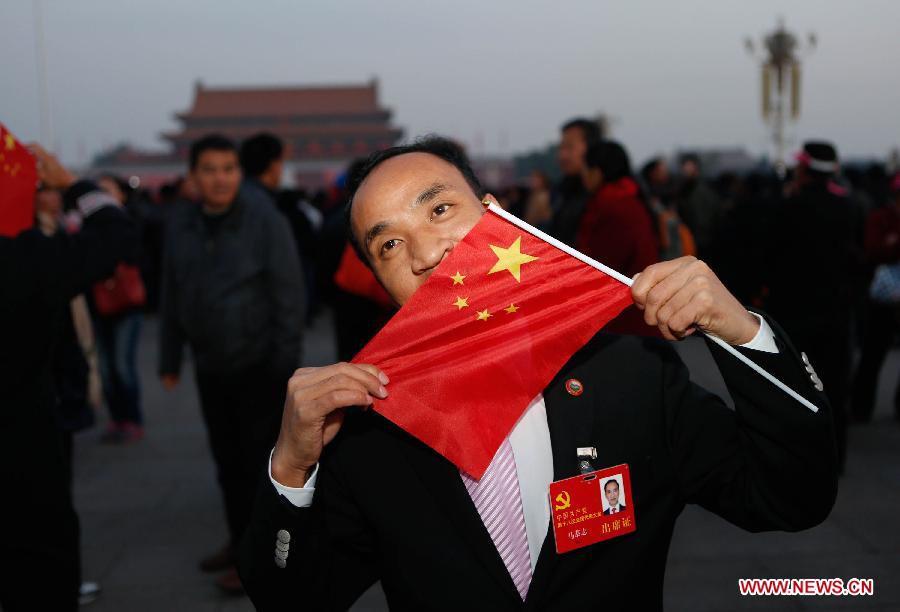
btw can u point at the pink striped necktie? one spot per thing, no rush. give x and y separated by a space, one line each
497 499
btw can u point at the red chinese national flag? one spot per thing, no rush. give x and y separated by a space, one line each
484 335
18 181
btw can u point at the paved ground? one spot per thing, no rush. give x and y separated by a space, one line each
150 510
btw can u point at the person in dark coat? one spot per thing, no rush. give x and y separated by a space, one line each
813 260
233 291
39 565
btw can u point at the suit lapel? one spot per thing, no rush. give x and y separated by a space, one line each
570 419
442 479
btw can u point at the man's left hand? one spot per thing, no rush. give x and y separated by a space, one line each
683 295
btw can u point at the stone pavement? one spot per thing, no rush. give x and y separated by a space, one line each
149 511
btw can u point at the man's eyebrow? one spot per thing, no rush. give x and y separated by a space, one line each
374 231
429 194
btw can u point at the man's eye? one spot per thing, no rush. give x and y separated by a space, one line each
440 209
387 246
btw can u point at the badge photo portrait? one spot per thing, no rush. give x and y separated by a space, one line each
615 495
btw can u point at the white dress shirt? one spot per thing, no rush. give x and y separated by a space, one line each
530 441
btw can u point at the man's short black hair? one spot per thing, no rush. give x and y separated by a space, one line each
259 151
609 482
438 146
210 142
590 130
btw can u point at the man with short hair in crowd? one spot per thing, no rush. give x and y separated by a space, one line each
262 161
578 135
233 291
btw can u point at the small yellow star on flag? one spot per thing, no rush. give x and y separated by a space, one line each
511 308
511 259
461 302
10 141
457 278
483 315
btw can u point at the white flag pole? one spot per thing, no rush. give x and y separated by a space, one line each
627 281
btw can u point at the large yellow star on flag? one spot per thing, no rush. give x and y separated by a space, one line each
511 259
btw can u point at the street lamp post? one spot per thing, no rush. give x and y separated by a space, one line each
780 82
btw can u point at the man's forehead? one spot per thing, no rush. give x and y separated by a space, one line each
396 183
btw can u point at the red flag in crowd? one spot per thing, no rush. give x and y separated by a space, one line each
18 181
484 335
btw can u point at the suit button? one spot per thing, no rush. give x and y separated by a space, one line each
283 546
281 554
280 563
284 536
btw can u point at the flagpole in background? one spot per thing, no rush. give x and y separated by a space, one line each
46 127
627 281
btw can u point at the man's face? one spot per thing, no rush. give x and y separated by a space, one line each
572 148
612 493
689 169
408 214
217 177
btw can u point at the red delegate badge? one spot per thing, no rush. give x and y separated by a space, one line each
590 508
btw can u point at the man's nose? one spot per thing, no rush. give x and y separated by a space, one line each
428 252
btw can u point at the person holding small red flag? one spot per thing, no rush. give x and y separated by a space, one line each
441 490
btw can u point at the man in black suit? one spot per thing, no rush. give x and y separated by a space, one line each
351 499
611 490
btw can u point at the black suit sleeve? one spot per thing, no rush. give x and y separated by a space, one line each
331 560
770 463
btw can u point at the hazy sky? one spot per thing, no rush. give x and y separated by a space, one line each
500 76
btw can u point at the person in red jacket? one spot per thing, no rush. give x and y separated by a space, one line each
882 244
616 229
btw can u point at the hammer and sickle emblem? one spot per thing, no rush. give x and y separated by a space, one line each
563 501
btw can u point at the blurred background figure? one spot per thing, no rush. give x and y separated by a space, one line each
814 258
673 235
538 208
117 303
76 376
262 162
616 227
233 291
882 320
40 274
577 136
697 205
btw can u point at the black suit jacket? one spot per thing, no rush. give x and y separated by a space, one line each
387 507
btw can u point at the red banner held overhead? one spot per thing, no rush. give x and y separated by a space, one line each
18 182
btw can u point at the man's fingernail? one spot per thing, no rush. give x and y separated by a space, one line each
383 378
382 392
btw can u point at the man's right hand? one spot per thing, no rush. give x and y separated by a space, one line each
314 411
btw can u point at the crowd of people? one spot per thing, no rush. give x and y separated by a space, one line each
235 268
